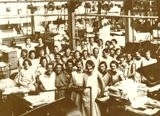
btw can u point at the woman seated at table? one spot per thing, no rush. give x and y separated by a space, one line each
25 77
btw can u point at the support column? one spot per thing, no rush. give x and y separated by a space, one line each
32 10
32 25
71 26
99 12
129 37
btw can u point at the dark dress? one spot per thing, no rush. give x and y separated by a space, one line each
39 48
62 83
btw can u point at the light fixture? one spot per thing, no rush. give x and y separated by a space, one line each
32 8
50 6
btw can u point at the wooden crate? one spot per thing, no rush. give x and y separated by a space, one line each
11 59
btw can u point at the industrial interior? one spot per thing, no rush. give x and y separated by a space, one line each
80 58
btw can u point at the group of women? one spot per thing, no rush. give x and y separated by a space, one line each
81 75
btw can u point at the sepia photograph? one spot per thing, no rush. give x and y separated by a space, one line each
79 57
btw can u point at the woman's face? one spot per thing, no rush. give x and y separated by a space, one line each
121 60
129 57
79 66
42 53
89 68
113 67
102 67
137 55
96 52
85 54
100 43
77 55
108 44
113 42
58 57
69 66
33 55
56 50
58 69
40 40
68 52
148 55
44 62
49 69
84 44
112 52
24 54
78 43
105 54
26 65
118 52
28 41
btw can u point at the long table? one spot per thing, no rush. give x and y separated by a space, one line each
124 109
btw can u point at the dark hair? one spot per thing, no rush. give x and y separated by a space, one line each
58 64
114 62
147 51
85 51
42 58
27 38
27 60
99 41
90 62
78 52
77 61
41 38
95 48
114 40
68 61
118 49
121 56
68 49
107 42
102 62
32 51
59 55
24 50
130 54
112 49
106 50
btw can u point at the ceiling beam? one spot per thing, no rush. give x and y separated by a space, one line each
91 15
24 1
